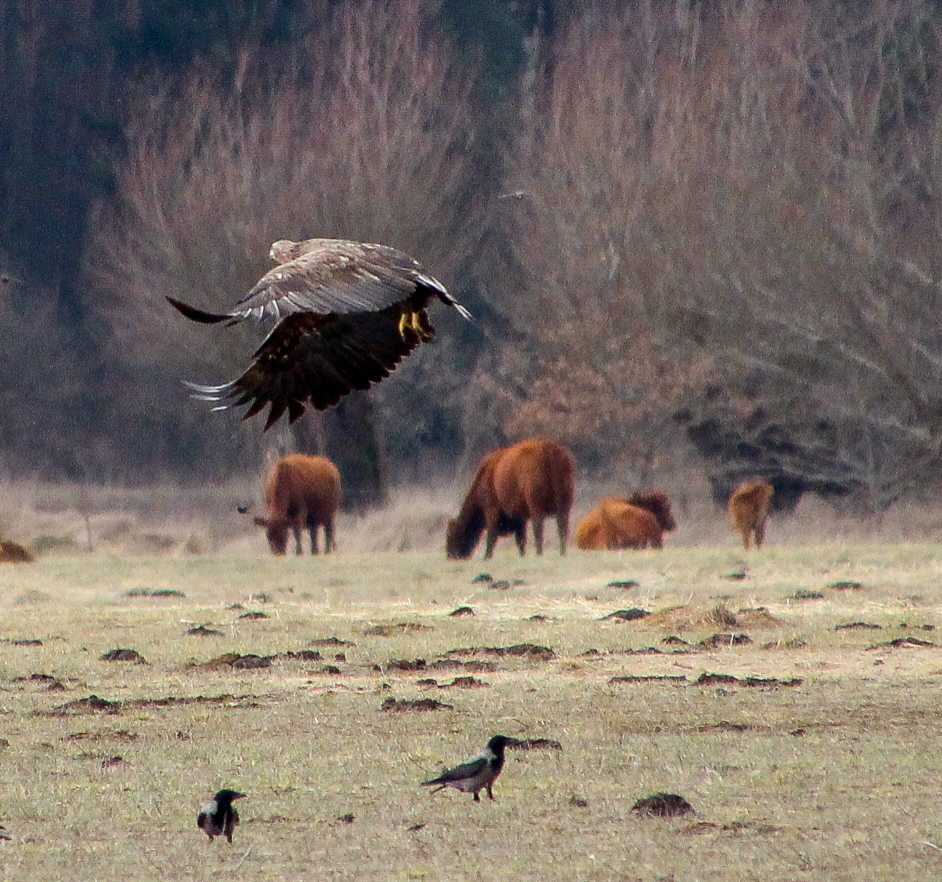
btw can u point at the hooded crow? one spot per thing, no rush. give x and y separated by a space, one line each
218 817
476 774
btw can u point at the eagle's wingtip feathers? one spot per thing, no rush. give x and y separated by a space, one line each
197 315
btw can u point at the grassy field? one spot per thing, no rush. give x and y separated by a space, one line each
831 770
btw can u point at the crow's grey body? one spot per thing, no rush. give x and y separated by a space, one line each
218 817
476 774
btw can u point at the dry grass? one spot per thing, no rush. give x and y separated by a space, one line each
176 521
834 778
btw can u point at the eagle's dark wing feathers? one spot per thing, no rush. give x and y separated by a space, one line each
312 360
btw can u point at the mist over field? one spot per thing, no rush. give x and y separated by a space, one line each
53 520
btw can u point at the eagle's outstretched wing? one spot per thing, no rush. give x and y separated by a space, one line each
314 360
348 313
330 275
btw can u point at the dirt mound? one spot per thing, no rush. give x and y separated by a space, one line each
250 661
404 705
131 655
394 628
520 650
719 641
662 805
626 615
402 664
203 631
691 618
757 617
709 679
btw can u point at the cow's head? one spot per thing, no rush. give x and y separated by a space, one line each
658 504
457 545
277 533
463 534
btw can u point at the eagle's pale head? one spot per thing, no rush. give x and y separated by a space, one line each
283 250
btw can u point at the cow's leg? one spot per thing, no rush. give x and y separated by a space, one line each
520 534
328 536
491 536
538 534
760 533
491 541
746 536
562 527
297 539
314 548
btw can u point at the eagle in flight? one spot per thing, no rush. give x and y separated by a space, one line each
347 313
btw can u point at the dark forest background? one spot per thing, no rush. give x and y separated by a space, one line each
707 226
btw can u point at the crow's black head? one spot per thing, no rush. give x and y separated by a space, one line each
497 744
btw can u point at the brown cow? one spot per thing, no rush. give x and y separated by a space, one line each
530 481
302 492
13 552
749 510
639 521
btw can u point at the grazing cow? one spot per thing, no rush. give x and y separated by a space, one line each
13 552
530 481
749 510
302 493
639 521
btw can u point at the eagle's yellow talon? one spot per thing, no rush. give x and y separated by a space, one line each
415 324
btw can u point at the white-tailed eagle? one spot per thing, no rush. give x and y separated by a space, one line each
347 313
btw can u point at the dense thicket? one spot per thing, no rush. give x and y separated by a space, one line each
672 220
744 202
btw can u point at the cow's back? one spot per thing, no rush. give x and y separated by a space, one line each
534 478
749 503
634 526
302 481
591 532
616 524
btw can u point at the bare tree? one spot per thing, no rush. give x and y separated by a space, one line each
817 281
40 379
740 198
584 177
